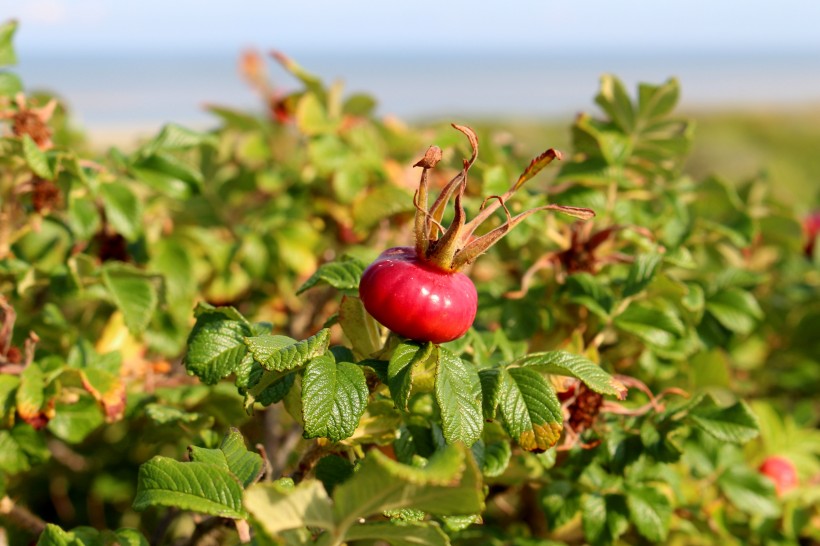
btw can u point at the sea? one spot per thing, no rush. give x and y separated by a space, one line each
109 93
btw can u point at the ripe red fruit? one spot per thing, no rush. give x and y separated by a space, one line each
781 471
418 292
811 228
416 299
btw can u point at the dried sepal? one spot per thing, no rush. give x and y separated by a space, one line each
479 246
536 165
457 248
443 251
430 159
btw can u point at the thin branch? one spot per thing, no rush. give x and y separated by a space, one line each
21 517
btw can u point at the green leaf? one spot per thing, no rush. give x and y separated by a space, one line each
449 485
10 84
334 397
195 486
174 137
577 366
490 379
359 327
736 309
343 275
650 511
405 534
122 209
232 455
134 293
271 388
497 457
108 389
36 158
216 345
88 536
164 415
750 491
586 290
31 395
560 502
656 101
52 535
382 202
531 411
13 459
656 327
312 117
7 53
333 470
593 517
359 105
277 508
736 423
641 273
458 393
406 357
614 100
280 353
84 217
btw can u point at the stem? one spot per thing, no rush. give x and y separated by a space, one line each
21 517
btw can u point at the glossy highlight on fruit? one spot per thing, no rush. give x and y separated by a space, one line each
416 299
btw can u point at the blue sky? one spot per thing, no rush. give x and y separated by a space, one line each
512 26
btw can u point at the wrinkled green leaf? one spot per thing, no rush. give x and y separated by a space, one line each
531 411
195 486
280 353
343 275
216 345
232 455
458 393
334 397
572 365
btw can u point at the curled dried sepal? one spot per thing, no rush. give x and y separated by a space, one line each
457 248
477 247
535 166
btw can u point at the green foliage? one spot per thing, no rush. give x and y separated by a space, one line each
598 398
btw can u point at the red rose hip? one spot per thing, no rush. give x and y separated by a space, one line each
781 471
419 292
416 299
